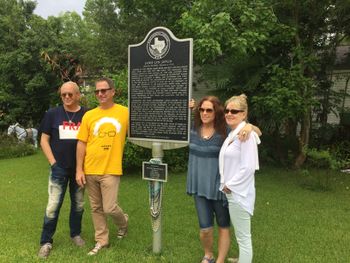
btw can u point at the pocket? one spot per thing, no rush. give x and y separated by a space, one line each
57 173
229 197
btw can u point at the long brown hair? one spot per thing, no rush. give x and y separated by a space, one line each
219 121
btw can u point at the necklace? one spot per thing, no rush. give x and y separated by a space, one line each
70 120
206 135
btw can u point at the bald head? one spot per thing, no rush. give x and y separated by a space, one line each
72 85
70 95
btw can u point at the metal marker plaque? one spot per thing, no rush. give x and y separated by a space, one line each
154 172
160 82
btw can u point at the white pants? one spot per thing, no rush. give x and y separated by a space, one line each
240 219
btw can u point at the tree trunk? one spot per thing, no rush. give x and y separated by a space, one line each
303 139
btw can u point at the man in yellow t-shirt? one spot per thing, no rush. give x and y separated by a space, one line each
101 140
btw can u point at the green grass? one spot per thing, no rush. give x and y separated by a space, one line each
291 223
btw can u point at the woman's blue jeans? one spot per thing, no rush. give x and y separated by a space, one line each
207 209
59 179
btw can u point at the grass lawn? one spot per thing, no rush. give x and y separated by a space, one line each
291 223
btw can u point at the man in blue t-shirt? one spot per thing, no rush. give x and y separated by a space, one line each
58 142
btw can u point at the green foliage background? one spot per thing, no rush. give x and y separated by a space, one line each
279 53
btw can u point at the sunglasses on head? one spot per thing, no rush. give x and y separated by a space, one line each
206 110
233 111
70 95
102 91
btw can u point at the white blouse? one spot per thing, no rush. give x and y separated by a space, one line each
238 162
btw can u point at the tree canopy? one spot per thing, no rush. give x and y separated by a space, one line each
279 53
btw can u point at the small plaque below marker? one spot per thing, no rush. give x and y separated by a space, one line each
155 172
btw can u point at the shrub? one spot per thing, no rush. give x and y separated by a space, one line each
177 159
325 164
341 152
321 159
277 149
324 135
134 155
11 148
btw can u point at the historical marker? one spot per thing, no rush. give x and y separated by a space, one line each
160 82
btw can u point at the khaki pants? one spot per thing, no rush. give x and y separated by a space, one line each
103 194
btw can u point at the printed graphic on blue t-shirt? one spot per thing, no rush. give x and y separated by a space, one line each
62 127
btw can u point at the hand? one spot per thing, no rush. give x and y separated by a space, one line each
243 135
226 190
191 104
80 178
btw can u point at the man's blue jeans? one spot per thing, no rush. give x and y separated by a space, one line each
58 181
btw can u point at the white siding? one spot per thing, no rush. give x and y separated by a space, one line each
341 81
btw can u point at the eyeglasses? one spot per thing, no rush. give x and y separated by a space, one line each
109 134
70 95
233 111
103 91
206 110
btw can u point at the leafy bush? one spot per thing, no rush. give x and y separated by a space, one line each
321 159
176 159
11 148
341 152
324 135
345 118
277 149
325 163
134 155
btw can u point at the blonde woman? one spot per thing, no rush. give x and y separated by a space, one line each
238 161
203 180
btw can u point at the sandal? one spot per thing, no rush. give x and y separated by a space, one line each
208 260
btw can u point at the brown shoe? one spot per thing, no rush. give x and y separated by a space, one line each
123 231
45 250
78 241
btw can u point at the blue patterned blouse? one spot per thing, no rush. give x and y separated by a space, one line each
203 178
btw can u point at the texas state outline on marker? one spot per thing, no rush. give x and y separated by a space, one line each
158 44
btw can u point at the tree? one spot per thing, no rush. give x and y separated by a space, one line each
272 51
319 28
116 24
237 43
24 78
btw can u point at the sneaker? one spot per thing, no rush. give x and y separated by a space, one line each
96 249
208 260
232 260
123 231
78 241
44 251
